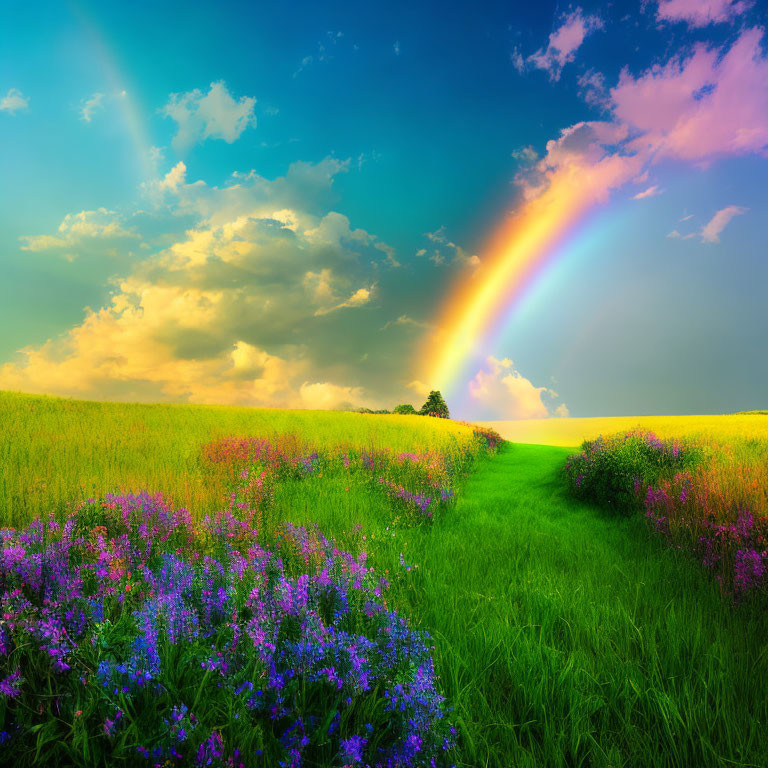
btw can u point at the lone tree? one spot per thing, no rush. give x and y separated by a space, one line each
404 408
435 406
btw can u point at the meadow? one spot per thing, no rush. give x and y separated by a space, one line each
557 633
572 432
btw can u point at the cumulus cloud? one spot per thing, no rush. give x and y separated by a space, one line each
79 232
712 229
240 309
700 13
711 102
564 42
500 391
14 101
214 115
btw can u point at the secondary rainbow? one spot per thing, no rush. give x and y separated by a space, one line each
516 255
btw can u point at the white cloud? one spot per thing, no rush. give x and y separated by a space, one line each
710 232
501 392
215 115
712 229
14 101
564 42
91 105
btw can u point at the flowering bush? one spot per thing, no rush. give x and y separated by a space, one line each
419 484
130 635
610 471
704 499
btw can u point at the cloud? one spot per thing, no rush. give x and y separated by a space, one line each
525 154
323 52
711 103
700 13
442 250
80 232
710 232
327 396
91 105
593 90
712 229
650 192
215 115
242 308
408 322
500 391
675 235
14 101
95 103
358 299
564 42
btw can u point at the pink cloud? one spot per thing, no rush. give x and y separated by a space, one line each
710 104
650 192
564 42
500 390
712 229
700 13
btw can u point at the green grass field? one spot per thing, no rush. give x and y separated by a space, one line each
563 637
54 450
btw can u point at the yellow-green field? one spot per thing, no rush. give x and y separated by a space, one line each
572 432
54 451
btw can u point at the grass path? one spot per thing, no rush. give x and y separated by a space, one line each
565 637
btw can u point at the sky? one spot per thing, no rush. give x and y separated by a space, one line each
540 209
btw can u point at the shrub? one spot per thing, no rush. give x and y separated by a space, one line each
611 470
405 408
435 406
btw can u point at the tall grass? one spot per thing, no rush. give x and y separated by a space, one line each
54 451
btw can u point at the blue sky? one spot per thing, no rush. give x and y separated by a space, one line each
398 119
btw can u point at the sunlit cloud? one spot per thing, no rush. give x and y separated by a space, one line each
80 232
235 311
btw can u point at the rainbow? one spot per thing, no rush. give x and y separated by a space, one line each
116 79
517 255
